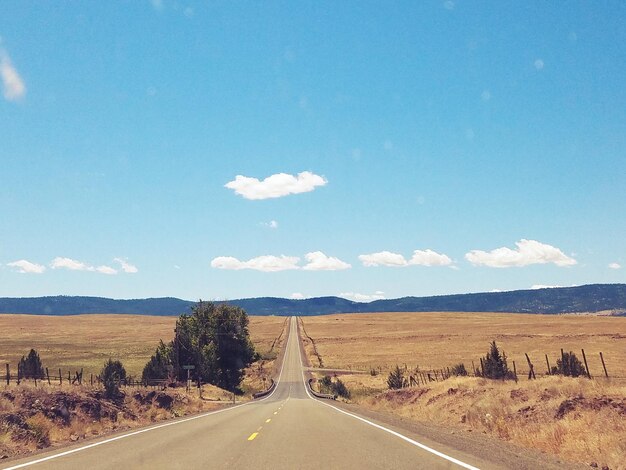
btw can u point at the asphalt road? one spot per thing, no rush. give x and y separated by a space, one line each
288 429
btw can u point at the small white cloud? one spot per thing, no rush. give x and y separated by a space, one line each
356 297
270 224
420 258
539 64
278 185
126 266
104 270
266 263
528 252
26 267
69 263
176 266
13 85
297 296
429 258
448 5
615 266
318 261
74 265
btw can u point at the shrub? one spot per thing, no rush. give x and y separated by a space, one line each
339 388
112 375
30 366
459 370
570 366
395 380
494 364
373 372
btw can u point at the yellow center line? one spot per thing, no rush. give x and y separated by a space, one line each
268 420
259 428
275 412
253 435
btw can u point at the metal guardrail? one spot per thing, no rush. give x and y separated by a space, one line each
265 392
318 394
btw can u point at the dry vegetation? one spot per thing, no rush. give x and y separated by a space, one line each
87 341
37 417
577 419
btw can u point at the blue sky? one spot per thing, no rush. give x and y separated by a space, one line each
368 149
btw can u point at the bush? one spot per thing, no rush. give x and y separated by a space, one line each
30 366
339 388
459 370
334 388
112 375
570 366
395 380
495 366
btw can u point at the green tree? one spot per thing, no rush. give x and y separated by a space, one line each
395 380
160 364
112 375
30 366
213 338
569 365
495 365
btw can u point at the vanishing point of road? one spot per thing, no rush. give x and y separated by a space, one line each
289 429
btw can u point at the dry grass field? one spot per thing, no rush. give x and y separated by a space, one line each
87 341
441 339
577 419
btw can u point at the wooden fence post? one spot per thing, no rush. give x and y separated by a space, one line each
482 367
562 362
473 369
548 364
9 374
60 377
69 377
514 371
531 372
19 372
601 358
48 375
586 366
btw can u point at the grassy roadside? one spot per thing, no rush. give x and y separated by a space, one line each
579 420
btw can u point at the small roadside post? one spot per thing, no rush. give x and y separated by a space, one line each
188 368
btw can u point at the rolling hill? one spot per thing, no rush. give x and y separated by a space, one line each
588 298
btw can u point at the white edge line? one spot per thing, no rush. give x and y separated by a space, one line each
141 431
382 428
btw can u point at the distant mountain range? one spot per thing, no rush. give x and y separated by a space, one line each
589 298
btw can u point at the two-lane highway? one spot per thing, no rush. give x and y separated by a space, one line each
288 429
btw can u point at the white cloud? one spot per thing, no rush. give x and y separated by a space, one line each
104 270
420 258
13 85
126 266
318 261
270 224
266 263
383 258
26 267
68 263
539 64
355 296
429 258
527 252
448 5
74 265
278 185
543 286
297 296
615 266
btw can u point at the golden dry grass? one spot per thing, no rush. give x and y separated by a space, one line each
441 339
592 428
87 341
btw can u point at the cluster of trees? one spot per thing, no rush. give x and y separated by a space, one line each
334 388
214 339
30 366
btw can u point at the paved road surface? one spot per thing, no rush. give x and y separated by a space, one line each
289 429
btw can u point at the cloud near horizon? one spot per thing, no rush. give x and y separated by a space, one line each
26 267
528 252
426 257
13 87
278 185
316 261
126 266
356 297
615 266
75 265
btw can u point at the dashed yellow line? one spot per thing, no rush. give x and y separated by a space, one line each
259 428
275 412
253 435
268 420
